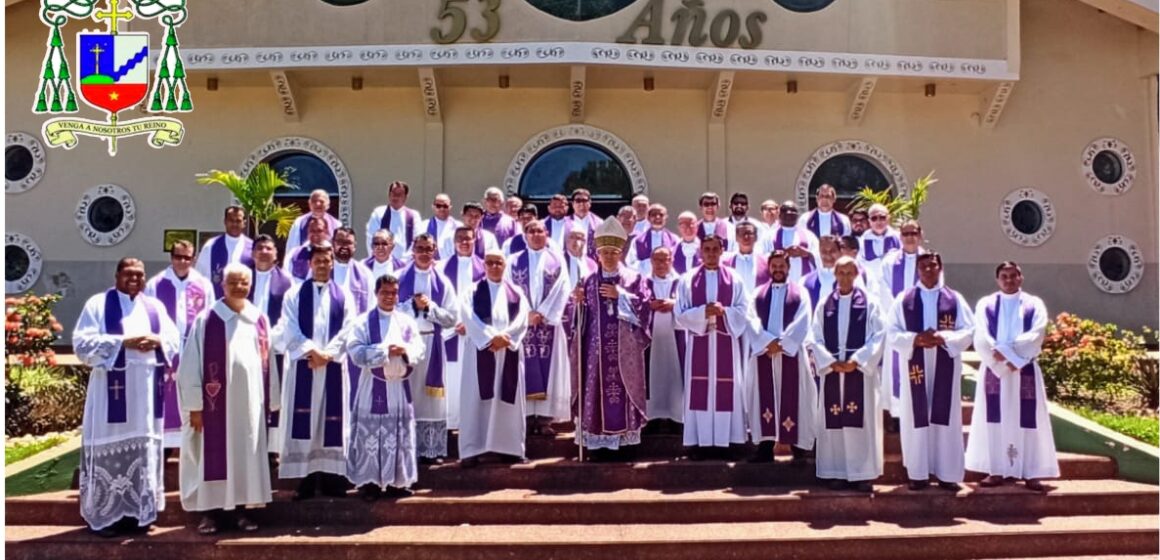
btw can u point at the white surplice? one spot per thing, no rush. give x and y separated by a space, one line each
712 427
492 425
1005 448
431 403
851 454
793 337
300 457
121 463
464 284
382 445
557 403
247 480
934 449
666 391
887 291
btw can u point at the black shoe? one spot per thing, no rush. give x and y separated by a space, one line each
864 486
1034 485
244 524
698 453
545 428
369 492
918 485
106 533
334 486
837 485
394 492
512 459
800 457
764 453
469 463
430 460
305 490
949 486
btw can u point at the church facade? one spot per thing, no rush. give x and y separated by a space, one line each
1037 117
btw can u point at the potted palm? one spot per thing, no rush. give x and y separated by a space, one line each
255 193
902 207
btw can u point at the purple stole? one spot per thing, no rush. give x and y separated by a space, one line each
678 334
898 274
434 380
433 231
519 243
940 410
807 264
194 303
643 243
408 224
497 225
115 388
396 264
357 287
852 384
300 262
451 271
378 378
332 390
540 338
303 230
836 226
679 260
279 285
790 370
214 384
481 305
219 257
1026 375
760 266
889 243
720 231
812 282
699 388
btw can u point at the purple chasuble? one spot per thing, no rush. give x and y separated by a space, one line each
451 271
611 366
699 388
539 339
800 241
889 243
219 257
499 224
378 378
849 414
783 424
1027 396
303 381
481 305
115 390
939 411
215 376
435 365
408 224
836 226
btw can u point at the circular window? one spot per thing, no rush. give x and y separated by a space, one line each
23 162
1116 264
22 263
1109 166
1027 217
848 165
105 215
848 174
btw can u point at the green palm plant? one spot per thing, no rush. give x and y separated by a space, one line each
902 208
255 194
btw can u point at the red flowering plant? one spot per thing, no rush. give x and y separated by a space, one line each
29 330
1090 363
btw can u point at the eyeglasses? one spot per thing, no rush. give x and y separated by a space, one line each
708 203
380 244
185 258
877 218
581 200
422 250
910 234
493 263
442 206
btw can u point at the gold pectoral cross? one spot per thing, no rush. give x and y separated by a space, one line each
915 375
112 15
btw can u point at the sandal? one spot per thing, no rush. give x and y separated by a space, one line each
208 526
245 524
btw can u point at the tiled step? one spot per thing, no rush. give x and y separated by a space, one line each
946 538
743 504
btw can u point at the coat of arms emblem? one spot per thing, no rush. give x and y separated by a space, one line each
112 73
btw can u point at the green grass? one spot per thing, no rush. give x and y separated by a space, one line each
14 452
51 476
1143 428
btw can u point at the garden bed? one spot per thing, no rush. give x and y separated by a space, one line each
20 448
1141 426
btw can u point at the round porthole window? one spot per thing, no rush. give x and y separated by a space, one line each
1109 166
1027 217
23 162
22 263
105 215
1116 264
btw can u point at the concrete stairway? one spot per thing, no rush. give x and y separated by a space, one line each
661 506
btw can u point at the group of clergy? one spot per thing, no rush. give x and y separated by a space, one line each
500 324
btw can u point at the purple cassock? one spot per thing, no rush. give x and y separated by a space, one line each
991 386
450 269
409 217
889 243
678 334
699 385
195 302
849 414
799 240
679 259
837 226
219 257
481 305
279 285
643 243
115 380
613 359
540 338
939 411
499 224
434 374
781 426
215 377
720 230
332 386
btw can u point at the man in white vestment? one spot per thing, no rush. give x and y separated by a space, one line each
1010 427
427 296
127 340
386 344
542 275
463 269
780 389
654 235
349 272
712 224
640 206
441 225
714 309
403 223
297 262
269 289
930 327
493 404
769 211
739 214
796 241
233 246
748 262
825 220
847 340
227 392
484 240
583 218
315 396
665 390
687 253
879 240
382 260
185 293
898 273
557 221
319 208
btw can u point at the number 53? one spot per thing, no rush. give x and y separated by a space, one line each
449 9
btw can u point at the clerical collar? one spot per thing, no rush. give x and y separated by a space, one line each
318 284
707 269
742 253
494 284
181 278
127 295
340 263
777 286
384 311
824 212
1014 296
384 261
260 271
422 270
923 287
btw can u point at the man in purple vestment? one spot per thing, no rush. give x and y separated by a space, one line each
519 241
297 264
614 335
494 219
687 253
